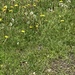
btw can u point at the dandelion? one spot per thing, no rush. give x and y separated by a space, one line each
42 15
31 13
36 26
23 31
34 5
33 73
0 19
16 5
10 10
61 20
28 5
60 1
1 65
11 7
30 27
6 36
4 8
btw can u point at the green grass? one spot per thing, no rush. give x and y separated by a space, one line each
37 37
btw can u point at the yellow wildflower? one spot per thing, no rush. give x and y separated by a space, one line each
10 10
60 1
0 19
1 65
34 5
11 7
30 26
28 5
16 5
6 36
61 20
23 31
36 26
5 7
42 15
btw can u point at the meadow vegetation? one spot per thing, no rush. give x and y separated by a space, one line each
37 37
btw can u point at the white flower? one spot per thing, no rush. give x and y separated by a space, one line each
31 13
17 43
33 73
10 24
68 1
12 19
49 70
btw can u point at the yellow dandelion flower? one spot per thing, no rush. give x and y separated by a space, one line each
60 1
42 15
6 36
0 19
61 20
30 26
36 26
11 7
28 5
23 31
5 7
10 10
1 65
34 5
16 5
3 10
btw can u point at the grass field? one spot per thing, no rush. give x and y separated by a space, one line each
37 37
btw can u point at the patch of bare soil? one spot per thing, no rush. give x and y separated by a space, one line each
64 66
